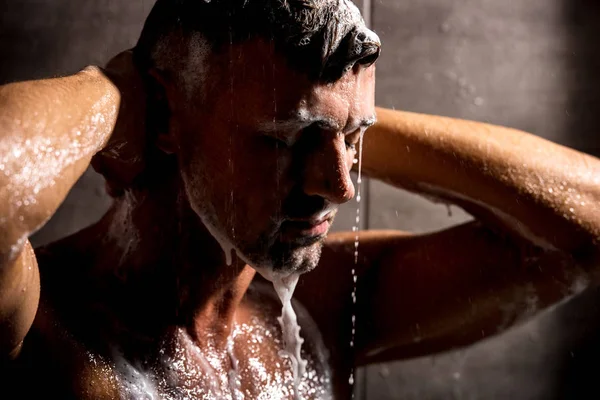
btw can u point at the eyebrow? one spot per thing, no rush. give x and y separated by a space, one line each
299 122
364 123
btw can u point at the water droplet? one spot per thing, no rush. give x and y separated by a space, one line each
356 245
304 41
478 101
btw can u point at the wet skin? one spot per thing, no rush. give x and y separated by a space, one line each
258 167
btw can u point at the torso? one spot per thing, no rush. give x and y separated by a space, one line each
69 364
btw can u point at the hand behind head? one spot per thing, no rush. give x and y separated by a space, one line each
122 159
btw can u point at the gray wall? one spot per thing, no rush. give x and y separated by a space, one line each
525 64
530 65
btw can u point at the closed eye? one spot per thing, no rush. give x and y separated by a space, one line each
352 139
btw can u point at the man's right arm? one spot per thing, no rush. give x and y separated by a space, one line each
49 131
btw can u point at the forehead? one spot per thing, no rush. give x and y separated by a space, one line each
256 83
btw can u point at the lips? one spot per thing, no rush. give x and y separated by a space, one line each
306 228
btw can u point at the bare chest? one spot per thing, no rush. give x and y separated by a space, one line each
250 367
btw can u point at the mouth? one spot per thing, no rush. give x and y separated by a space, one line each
315 227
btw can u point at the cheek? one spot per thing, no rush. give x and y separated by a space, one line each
262 175
245 182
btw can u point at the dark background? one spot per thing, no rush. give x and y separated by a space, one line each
531 65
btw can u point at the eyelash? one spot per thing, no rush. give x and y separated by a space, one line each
349 145
281 144
275 142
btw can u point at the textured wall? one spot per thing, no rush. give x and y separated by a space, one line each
526 64
530 65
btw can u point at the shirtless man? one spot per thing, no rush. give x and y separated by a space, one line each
227 140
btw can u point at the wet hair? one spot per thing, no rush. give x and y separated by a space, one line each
322 38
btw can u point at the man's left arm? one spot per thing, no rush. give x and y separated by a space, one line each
533 243
514 182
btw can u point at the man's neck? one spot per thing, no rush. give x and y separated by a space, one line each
161 252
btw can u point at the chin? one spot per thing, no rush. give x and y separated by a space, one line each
300 260
287 259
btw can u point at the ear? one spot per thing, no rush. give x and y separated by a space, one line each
163 105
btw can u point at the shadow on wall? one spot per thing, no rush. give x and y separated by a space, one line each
578 366
44 38
30 48
582 18
577 363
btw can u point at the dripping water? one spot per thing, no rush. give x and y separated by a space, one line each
233 374
284 286
274 130
231 113
355 229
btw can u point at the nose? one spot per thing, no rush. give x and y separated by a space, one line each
327 174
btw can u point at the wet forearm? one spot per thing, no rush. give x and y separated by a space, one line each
544 192
49 130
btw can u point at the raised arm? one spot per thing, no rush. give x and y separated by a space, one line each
535 240
543 192
49 131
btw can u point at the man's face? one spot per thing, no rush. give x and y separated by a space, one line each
265 154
